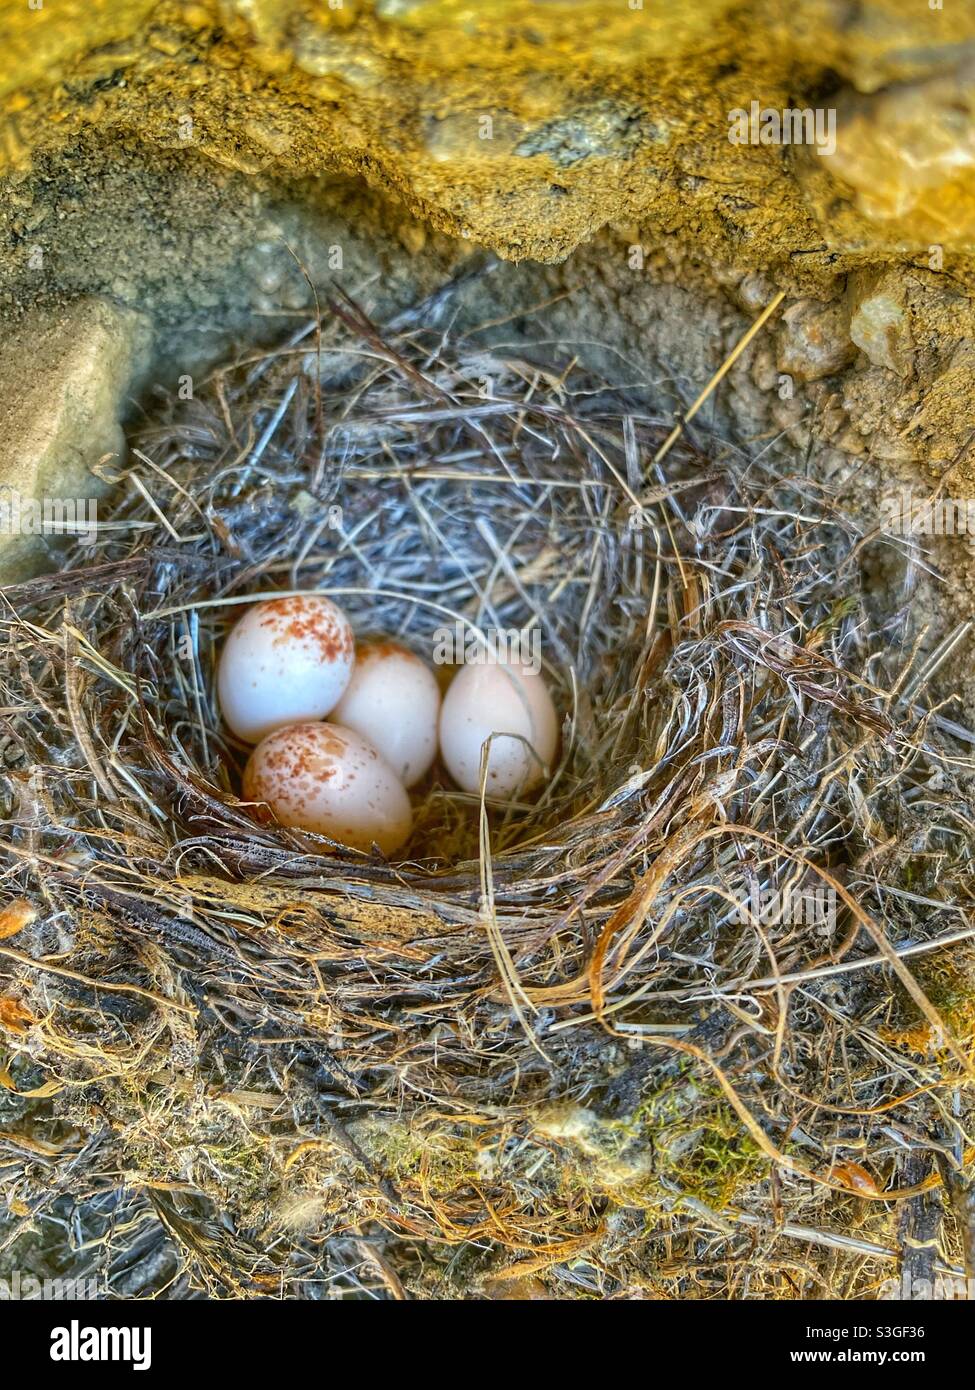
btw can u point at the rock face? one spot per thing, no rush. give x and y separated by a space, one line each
64 379
879 324
200 161
525 129
903 171
814 341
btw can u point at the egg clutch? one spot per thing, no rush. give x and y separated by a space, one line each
343 729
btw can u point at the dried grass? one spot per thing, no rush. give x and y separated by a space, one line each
540 1056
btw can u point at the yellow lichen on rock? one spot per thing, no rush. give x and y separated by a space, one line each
907 157
38 38
522 128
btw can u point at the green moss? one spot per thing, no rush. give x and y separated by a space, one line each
948 979
700 1144
446 1159
684 1139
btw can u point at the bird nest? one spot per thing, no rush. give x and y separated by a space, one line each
695 1018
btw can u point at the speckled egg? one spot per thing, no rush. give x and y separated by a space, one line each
510 701
287 659
324 778
393 700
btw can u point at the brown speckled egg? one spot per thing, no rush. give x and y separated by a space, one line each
328 779
287 659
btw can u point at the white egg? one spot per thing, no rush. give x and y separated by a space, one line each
286 660
328 779
393 700
512 702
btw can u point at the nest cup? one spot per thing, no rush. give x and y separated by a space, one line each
514 1027
469 522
